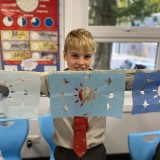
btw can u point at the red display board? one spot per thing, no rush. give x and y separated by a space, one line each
14 14
29 34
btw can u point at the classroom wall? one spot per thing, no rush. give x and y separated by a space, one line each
117 129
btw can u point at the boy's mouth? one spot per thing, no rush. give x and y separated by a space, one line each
80 69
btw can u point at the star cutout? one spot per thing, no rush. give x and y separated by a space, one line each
65 108
108 81
111 95
108 106
149 80
21 79
142 91
65 82
145 104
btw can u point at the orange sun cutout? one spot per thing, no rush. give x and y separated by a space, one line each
85 95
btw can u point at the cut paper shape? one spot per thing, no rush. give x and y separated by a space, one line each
87 93
29 64
21 93
146 92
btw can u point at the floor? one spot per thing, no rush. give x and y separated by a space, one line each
109 157
118 157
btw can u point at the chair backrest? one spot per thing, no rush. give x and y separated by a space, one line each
141 148
47 130
12 137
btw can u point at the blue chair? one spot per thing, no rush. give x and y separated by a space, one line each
47 130
141 148
13 134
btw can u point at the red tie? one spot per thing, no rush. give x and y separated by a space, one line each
79 142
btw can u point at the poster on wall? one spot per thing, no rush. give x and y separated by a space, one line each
29 33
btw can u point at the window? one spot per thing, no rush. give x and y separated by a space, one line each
134 55
125 55
126 32
124 13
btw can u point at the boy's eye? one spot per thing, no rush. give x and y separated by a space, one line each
74 55
88 56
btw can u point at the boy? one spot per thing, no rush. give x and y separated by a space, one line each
78 51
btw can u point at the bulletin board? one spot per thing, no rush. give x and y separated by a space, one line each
29 35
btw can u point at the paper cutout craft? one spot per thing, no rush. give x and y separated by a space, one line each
22 97
146 92
87 93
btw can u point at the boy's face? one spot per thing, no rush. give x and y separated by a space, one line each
78 60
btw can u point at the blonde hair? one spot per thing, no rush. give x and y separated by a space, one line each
80 38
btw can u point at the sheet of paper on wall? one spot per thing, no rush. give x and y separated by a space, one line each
87 93
20 93
146 92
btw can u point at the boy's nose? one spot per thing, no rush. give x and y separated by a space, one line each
81 61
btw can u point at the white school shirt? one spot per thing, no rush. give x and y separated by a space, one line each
63 135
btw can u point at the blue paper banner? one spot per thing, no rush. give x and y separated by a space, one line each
146 92
87 93
23 95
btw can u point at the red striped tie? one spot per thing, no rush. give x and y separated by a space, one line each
79 142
